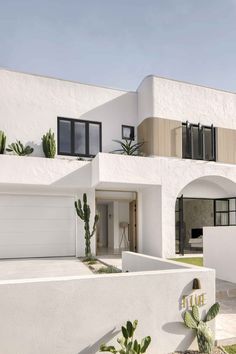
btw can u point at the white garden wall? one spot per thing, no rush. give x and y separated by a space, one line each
219 245
136 262
76 314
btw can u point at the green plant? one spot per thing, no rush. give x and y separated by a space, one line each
92 262
127 343
84 214
2 142
89 259
108 269
204 334
19 149
128 147
49 144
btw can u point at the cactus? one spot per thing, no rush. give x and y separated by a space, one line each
49 144
19 149
2 142
204 333
84 214
127 343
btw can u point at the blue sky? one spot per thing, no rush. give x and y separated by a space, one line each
118 42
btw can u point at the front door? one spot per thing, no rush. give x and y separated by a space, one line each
133 226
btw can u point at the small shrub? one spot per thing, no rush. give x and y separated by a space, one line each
89 259
92 262
108 269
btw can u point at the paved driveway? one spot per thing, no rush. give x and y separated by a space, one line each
42 268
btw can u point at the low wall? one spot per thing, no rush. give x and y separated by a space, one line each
219 245
74 315
135 262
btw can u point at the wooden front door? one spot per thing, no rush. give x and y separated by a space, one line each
133 226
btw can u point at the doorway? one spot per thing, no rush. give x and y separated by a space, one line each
116 229
192 214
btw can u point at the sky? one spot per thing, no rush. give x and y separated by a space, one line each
117 43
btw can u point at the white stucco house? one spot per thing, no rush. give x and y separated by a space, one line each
156 204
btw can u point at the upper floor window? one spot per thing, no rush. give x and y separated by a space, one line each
127 132
198 142
79 137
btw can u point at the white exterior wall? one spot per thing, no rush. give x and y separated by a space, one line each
170 99
54 315
158 182
30 105
219 244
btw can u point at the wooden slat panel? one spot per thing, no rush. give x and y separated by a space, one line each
226 145
163 137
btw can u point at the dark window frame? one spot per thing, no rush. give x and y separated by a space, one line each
188 153
131 130
228 211
72 136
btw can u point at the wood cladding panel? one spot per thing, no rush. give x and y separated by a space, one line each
162 137
226 145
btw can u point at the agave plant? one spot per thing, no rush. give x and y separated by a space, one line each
2 142
19 149
205 336
127 343
128 147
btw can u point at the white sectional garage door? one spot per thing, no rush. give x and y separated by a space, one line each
36 226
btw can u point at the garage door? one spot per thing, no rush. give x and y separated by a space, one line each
36 226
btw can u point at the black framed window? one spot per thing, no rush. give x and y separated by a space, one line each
79 137
225 211
198 142
127 132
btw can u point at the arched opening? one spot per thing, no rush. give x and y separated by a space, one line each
206 201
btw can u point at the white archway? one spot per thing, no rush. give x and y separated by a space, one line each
196 208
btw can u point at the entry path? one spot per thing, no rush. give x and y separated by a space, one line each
42 268
226 320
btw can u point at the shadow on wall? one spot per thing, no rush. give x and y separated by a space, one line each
112 114
94 348
82 174
38 149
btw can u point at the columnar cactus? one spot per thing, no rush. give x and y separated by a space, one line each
127 342
2 142
84 214
204 334
49 144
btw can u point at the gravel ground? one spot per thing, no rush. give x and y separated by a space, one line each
217 350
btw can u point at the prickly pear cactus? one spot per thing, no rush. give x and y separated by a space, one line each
128 345
204 334
204 338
